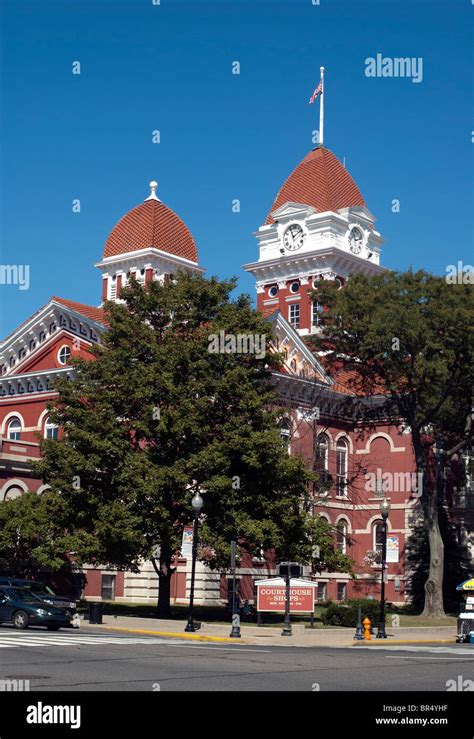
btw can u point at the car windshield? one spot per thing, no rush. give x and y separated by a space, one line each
22 594
40 589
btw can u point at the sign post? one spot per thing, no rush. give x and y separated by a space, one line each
285 595
287 624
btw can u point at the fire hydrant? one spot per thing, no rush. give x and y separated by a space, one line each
366 623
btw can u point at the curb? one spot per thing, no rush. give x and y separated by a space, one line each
177 635
383 642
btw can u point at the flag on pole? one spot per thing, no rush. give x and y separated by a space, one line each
315 94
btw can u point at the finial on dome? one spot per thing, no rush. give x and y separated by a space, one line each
152 195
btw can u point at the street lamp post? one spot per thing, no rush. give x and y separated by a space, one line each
197 503
384 510
287 623
235 631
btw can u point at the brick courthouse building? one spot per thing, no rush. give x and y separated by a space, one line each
318 228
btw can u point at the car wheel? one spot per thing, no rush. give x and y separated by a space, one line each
53 628
20 620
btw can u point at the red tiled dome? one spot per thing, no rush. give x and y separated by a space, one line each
321 181
151 224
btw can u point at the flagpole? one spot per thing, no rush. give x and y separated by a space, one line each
321 110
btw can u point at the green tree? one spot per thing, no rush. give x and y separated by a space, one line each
158 415
410 336
31 535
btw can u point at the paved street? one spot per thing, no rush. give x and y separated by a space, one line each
102 661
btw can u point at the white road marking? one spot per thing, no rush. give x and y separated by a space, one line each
56 640
227 649
427 649
454 659
22 640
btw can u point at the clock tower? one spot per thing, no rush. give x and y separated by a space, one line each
319 228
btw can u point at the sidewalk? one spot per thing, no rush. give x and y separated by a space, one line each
271 636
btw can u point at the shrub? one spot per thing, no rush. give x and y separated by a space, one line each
346 613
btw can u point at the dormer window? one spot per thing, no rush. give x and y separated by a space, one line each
64 355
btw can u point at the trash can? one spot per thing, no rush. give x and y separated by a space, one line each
95 613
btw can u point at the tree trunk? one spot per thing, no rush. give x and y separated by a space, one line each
164 572
434 606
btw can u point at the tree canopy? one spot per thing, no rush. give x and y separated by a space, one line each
166 409
409 336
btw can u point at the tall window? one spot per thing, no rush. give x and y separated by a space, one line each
316 314
321 592
50 430
113 288
378 537
341 591
108 587
14 429
294 315
341 536
342 456
321 453
321 456
285 432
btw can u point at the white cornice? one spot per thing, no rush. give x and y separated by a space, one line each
317 262
140 254
26 384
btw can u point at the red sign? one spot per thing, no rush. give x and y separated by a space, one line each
273 598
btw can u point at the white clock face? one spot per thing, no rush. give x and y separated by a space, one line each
355 240
293 237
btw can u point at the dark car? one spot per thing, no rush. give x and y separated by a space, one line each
43 592
22 608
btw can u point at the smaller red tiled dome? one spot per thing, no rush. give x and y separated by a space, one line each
151 224
321 181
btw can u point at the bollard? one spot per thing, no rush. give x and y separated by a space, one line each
366 623
359 633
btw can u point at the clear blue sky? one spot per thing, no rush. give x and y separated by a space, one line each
223 136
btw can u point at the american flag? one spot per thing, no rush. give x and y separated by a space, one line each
315 94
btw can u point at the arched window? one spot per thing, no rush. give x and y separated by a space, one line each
342 459
285 432
64 354
50 430
321 461
378 534
14 429
14 491
341 536
321 453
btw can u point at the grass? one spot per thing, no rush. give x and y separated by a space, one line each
219 615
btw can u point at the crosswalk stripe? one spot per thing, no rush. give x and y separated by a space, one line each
56 640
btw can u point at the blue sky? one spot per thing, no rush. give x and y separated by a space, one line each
223 136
